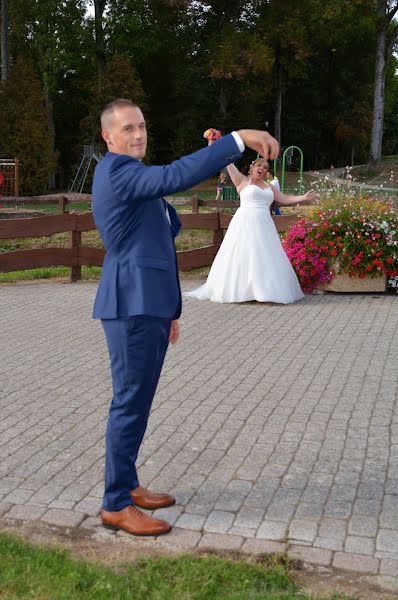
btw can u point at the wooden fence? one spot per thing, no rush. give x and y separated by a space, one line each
77 255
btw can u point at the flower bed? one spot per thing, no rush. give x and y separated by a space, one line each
360 235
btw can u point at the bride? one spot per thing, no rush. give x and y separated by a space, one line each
251 263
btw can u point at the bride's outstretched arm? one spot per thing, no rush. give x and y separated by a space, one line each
236 176
290 200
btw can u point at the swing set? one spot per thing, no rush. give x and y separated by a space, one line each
9 177
287 159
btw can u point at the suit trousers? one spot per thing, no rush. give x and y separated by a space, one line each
137 346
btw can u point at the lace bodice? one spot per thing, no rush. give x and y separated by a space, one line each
253 196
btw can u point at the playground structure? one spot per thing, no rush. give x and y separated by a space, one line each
9 177
90 156
287 159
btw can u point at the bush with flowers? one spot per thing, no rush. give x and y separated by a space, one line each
353 235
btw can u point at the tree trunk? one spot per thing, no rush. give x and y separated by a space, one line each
99 7
222 100
379 96
51 128
5 57
278 104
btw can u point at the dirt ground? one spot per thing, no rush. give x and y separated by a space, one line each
89 546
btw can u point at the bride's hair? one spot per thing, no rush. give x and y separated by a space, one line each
255 162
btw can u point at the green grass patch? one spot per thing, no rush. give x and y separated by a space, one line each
88 273
38 573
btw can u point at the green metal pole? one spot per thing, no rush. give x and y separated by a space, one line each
301 168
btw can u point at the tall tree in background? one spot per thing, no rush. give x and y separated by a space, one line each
286 25
119 80
387 33
24 127
5 56
99 8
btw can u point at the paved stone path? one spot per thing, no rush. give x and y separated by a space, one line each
275 426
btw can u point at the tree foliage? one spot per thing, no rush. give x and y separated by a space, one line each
24 127
306 68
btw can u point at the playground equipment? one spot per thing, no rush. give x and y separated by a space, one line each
9 177
91 155
287 158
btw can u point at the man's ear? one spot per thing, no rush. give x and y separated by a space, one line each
106 136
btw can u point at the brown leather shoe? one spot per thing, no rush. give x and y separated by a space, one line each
151 500
134 521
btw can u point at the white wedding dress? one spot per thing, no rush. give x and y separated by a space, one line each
251 263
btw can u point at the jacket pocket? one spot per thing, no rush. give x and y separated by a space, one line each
151 262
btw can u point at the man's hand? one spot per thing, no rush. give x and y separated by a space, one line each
260 141
174 332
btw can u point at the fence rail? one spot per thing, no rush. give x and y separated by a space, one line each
78 255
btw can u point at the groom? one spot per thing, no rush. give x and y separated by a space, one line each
139 298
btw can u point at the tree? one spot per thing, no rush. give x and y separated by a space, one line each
5 58
99 8
24 127
120 80
387 33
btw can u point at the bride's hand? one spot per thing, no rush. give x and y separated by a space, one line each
310 197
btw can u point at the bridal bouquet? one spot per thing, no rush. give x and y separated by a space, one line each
356 236
212 134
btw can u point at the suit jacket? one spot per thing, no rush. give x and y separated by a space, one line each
139 273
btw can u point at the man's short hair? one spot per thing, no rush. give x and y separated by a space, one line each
109 109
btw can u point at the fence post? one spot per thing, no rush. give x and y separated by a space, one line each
61 204
16 186
195 204
76 240
218 234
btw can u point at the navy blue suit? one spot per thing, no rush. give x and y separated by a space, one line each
139 292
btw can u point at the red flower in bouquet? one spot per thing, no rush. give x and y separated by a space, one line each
212 134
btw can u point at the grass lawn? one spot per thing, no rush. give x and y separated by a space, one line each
38 573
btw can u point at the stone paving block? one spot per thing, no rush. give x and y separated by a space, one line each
363 526
244 532
18 496
368 508
355 562
191 521
249 517
218 522
387 540
180 538
307 510
256 546
328 543
359 545
24 513
62 518
389 566
91 523
272 530
5 507
333 528
221 542
304 530
280 511
314 556
46 494
66 504
88 506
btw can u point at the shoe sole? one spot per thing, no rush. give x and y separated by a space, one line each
116 528
146 507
